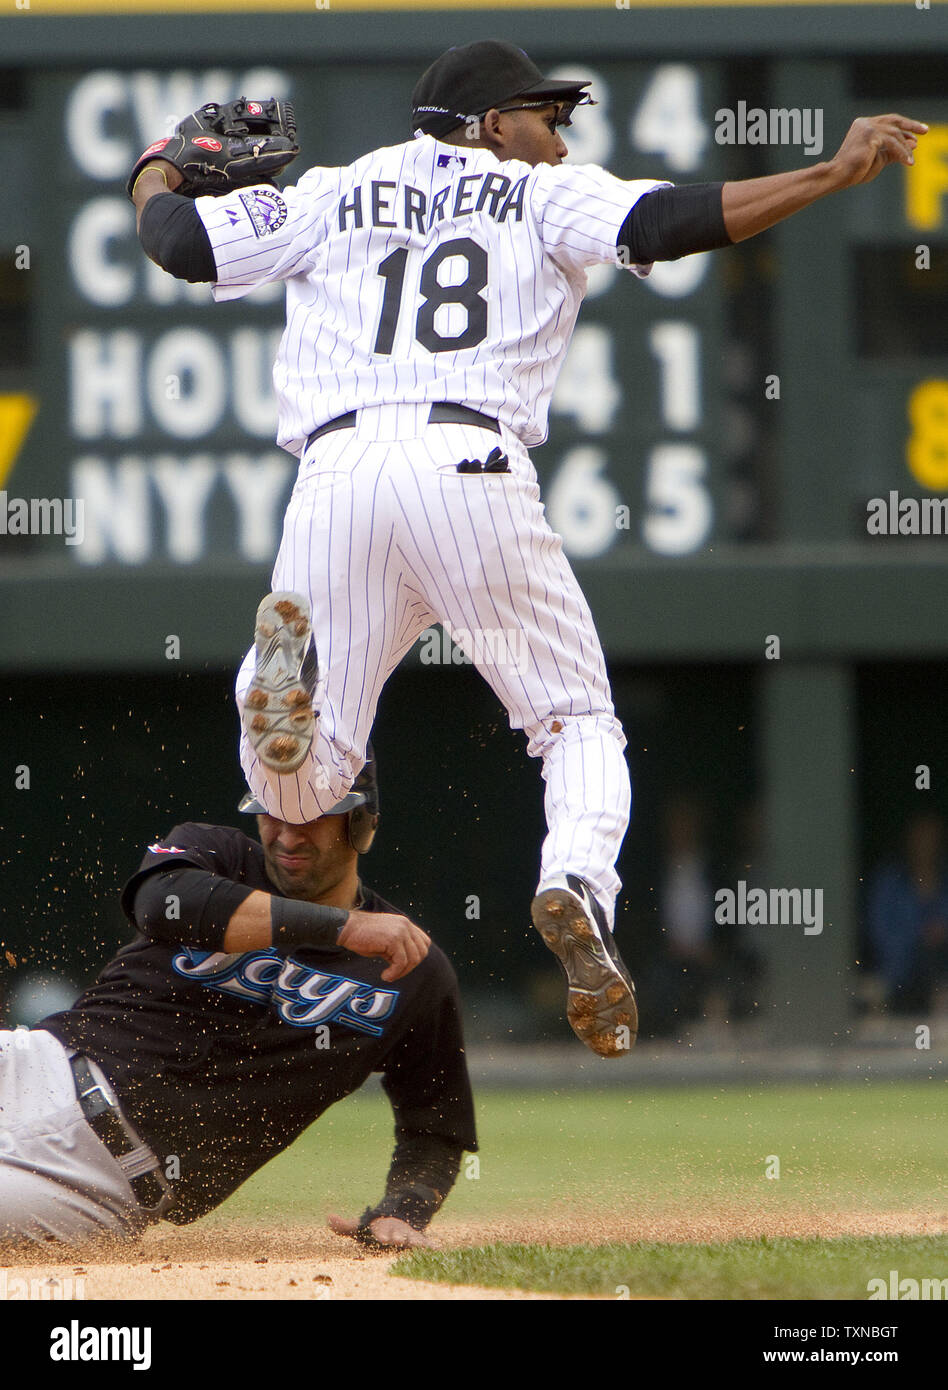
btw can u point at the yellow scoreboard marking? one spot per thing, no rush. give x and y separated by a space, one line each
269 7
16 416
926 452
926 181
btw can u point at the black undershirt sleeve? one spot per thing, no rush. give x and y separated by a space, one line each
187 907
174 237
672 222
191 907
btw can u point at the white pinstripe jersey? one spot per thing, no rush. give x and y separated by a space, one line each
422 272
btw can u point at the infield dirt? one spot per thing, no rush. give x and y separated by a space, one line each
232 1261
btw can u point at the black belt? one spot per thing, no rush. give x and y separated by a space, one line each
441 413
135 1158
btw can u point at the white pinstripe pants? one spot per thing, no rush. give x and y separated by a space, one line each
386 538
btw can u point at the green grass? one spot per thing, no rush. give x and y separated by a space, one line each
611 1156
739 1269
869 1147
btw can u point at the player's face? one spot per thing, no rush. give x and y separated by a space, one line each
306 861
532 135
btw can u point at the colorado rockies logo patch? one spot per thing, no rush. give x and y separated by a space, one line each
266 210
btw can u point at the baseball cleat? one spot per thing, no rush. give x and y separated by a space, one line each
278 715
601 1004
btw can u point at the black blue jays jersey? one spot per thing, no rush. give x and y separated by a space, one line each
224 1059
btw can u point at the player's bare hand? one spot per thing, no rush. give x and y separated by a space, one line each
388 936
389 1231
871 143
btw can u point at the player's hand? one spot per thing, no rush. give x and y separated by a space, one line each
871 143
388 936
389 1231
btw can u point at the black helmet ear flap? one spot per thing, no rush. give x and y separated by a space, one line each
364 819
363 823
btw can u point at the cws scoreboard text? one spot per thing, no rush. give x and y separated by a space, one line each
170 413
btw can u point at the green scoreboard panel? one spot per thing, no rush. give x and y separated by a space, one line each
166 419
166 422
719 430
861 315
899 351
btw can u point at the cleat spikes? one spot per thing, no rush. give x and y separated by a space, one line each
601 1006
278 715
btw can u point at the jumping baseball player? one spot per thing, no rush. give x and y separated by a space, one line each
265 983
432 287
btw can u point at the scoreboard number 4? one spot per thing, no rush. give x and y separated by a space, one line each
668 119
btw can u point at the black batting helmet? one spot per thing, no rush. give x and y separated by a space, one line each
360 804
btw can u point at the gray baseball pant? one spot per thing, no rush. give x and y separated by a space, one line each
58 1181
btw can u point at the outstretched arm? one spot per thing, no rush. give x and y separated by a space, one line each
669 222
752 205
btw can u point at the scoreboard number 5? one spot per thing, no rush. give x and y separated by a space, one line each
680 514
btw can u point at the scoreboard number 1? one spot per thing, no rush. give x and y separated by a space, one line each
676 347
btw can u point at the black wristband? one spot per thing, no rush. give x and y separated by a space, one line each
295 923
415 1205
363 1235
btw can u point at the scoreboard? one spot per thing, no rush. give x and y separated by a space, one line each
166 423
720 430
168 413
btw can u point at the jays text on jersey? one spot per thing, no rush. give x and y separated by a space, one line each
223 1060
420 273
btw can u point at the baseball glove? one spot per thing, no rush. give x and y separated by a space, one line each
220 148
